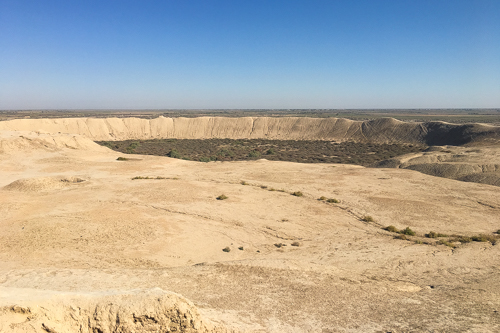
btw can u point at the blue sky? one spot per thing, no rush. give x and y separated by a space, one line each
249 54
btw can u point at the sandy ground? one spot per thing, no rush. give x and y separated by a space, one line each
73 221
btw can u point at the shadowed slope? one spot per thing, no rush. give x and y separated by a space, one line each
479 165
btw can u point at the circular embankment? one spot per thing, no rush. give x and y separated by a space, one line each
477 168
384 130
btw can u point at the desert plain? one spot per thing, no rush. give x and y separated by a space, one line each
91 243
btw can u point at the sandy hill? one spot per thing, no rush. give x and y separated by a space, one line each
92 244
293 128
470 164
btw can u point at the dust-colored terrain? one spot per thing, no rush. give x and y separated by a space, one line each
384 130
92 244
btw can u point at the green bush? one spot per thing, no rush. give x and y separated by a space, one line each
464 239
408 232
297 194
226 249
480 238
222 197
254 154
174 154
485 238
332 201
322 198
392 228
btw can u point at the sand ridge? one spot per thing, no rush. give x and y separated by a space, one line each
384 130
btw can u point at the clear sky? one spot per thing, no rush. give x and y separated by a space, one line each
81 54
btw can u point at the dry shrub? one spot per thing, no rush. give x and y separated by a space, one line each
367 218
391 228
408 232
433 234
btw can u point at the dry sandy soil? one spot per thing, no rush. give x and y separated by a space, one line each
84 247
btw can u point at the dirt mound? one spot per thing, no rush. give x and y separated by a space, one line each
12 142
42 184
385 130
460 163
151 311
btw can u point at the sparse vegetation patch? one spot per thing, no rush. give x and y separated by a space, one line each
485 238
445 239
302 151
447 243
433 234
147 177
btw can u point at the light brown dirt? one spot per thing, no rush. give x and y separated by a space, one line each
470 164
139 311
109 239
291 128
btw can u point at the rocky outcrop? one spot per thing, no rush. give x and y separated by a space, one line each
140 311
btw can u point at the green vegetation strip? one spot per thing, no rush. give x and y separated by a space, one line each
302 151
448 240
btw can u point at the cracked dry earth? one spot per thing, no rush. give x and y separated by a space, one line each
85 248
